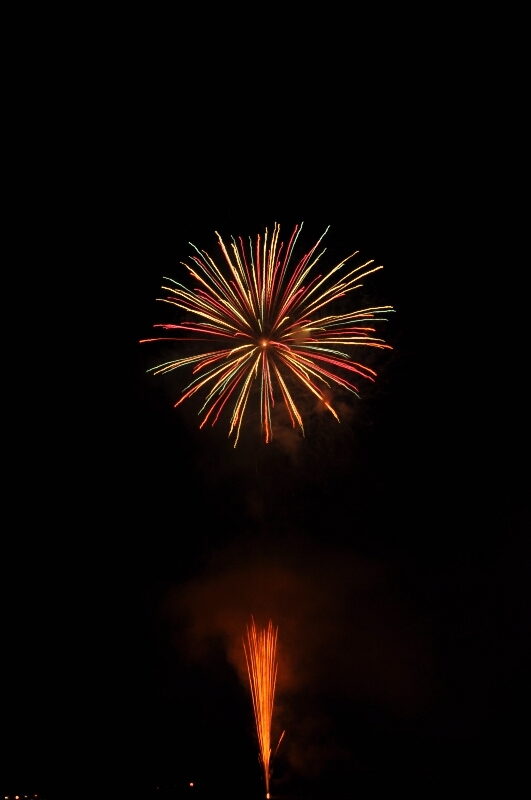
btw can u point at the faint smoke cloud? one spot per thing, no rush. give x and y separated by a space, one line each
342 632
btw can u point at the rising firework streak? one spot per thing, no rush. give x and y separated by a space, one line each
264 319
260 655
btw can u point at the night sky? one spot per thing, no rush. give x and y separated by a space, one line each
388 549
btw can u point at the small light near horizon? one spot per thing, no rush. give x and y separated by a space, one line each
191 784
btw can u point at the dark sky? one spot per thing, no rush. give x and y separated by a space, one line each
388 549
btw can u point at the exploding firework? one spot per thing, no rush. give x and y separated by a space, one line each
260 655
265 320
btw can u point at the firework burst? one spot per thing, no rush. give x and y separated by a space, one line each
264 320
260 655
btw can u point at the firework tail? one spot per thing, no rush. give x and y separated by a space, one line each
260 655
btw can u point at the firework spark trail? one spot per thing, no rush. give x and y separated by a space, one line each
266 319
260 655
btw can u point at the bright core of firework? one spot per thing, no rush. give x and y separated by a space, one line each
260 655
265 320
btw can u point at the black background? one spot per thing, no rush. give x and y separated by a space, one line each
120 499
